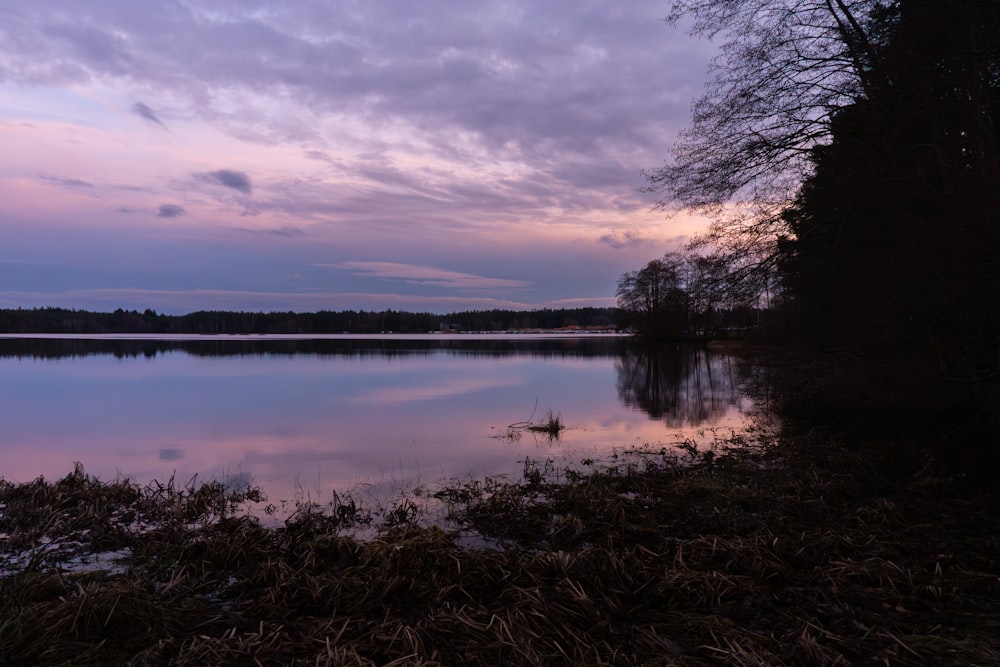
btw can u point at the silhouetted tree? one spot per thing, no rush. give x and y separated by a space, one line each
785 67
654 297
857 144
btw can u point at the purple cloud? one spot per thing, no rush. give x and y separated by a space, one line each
578 77
626 239
441 138
170 211
65 182
237 180
287 231
144 111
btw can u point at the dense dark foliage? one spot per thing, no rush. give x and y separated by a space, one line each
892 266
850 150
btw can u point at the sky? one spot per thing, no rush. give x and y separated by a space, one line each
304 155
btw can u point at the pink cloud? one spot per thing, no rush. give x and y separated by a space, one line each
427 275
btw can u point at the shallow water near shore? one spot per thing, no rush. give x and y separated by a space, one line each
304 417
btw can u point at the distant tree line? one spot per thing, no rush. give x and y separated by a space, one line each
65 321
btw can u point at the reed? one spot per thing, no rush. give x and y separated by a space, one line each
756 552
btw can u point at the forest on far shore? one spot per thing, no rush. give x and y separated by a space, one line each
67 321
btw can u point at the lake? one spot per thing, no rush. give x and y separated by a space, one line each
302 417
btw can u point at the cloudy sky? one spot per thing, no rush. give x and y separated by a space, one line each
332 154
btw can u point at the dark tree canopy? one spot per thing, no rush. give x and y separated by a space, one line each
683 295
785 67
655 297
851 149
897 227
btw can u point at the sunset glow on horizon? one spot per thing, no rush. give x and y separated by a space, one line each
183 155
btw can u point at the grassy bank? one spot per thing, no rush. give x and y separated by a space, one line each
754 553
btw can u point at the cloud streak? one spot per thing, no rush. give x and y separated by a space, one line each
144 111
66 182
427 275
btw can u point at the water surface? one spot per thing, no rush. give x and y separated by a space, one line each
302 417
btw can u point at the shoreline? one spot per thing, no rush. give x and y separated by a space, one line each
766 549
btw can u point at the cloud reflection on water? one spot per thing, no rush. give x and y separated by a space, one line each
315 421
395 395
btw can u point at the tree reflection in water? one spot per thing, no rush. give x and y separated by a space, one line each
684 385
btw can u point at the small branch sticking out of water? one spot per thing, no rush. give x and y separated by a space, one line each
551 426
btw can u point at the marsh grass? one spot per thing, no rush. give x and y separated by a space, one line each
749 553
550 427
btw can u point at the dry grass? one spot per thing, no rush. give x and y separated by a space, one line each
752 554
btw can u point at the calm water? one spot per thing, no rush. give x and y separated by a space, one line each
303 417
